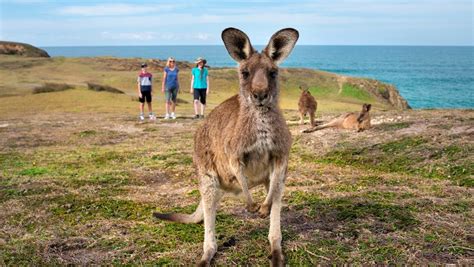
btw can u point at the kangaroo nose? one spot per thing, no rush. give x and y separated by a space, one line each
260 96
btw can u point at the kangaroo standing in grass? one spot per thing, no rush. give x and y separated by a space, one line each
354 120
307 105
245 142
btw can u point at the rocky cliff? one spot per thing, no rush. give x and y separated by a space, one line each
382 91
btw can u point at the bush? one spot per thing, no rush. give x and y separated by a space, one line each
101 88
52 87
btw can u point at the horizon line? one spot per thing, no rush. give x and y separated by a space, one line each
151 45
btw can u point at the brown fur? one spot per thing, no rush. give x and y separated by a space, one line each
307 105
245 142
359 121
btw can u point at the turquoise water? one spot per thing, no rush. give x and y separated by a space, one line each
427 76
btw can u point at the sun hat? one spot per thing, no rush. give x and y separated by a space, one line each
199 59
144 65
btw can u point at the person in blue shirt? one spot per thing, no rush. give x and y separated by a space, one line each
200 86
170 86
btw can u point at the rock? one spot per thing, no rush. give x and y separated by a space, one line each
21 49
382 91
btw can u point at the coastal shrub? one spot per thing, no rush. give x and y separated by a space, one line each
384 92
103 88
52 87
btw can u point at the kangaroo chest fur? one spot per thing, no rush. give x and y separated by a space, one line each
262 145
265 138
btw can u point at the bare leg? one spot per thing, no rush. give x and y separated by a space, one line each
210 195
149 107
196 107
142 108
167 107
203 107
173 106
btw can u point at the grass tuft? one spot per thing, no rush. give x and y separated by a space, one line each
52 87
103 88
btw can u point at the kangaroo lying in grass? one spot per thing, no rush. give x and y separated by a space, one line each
307 105
354 120
244 142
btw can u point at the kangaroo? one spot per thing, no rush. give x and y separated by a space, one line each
307 105
354 120
244 142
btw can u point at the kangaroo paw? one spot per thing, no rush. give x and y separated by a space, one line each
264 211
277 259
253 207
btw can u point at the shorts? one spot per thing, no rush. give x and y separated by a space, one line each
200 94
171 94
146 95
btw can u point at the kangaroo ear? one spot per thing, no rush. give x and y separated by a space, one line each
281 43
367 107
237 44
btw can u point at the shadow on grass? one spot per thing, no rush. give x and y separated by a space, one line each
356 212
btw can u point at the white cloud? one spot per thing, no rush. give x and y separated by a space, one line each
113 9
154 36
131 36
24 1
203 36
319 22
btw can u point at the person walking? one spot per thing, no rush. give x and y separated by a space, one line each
199 86
144 82
170 86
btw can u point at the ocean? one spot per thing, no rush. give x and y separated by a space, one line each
426 76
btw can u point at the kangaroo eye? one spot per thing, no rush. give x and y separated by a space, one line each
245 74
273 73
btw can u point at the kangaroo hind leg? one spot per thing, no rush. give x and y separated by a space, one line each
210 196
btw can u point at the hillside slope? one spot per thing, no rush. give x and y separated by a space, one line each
333 92
21 49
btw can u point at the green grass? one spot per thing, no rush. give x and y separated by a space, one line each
80 179
392 217
34 171
322 91
116 73
409 155
78 209
353 92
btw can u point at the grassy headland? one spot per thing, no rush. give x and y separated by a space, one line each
80 176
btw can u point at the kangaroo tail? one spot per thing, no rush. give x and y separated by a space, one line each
195 217
322 126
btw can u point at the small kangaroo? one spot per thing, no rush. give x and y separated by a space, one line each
307 105
354 120
244 142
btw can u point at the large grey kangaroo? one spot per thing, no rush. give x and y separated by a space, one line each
245 142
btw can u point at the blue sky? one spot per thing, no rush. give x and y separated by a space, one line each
342 22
